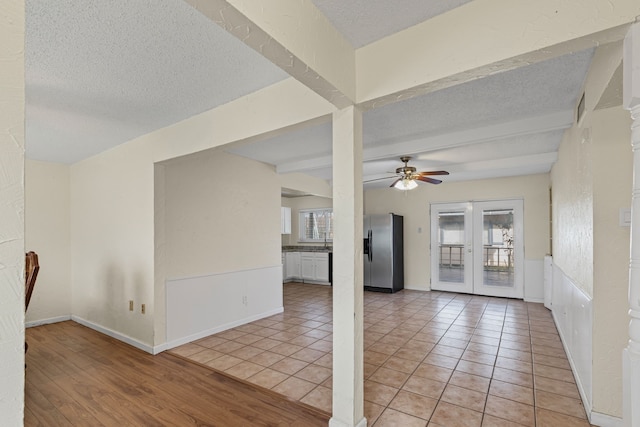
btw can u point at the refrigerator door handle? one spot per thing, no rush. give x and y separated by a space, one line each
366 246
370 245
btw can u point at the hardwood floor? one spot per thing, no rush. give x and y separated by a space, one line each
78 377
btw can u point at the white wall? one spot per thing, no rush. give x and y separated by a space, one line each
12 243
414 206
47 232
297 203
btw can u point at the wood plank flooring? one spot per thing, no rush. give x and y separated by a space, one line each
78 377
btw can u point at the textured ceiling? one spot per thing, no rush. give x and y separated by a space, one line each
292 146
99 73
427 123
365 21
548 86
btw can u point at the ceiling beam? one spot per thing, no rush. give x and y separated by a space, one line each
306 184
481 38
497 168
527 126
511 163
294 35
283 105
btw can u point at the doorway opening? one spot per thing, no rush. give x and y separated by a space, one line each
478 248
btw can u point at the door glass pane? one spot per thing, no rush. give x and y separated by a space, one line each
498 243
451 246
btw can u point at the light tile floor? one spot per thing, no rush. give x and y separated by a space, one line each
431 358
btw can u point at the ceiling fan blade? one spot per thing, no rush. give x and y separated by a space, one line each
395 182
429 180
378 179
433 173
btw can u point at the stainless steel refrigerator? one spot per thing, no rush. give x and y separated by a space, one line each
383 253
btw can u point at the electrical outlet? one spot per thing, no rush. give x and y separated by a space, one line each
130 305
143 309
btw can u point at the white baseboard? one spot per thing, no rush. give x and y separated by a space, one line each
604 420
202 334
337 423
536 300
157 349
48 321
146 347
113 334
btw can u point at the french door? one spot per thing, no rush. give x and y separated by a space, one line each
478 248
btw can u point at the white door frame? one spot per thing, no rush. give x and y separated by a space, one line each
467 254
473 248
479 287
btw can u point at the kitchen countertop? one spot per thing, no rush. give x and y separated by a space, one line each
306 249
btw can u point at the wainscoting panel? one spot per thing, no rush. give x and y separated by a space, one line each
548 281
573 314
533 280
204 305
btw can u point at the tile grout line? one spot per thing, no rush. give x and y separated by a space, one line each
401 311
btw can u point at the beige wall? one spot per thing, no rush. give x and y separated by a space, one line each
117 251
12 244
414 205
112 239
218 219
297 203
612 169
573 209
591 181
572 179
47 232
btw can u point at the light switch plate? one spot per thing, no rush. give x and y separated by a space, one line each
625 217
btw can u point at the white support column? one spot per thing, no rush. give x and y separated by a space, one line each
631 355
348 403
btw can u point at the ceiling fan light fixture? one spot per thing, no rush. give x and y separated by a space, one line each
406 184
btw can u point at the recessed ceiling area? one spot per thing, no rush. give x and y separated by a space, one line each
506 124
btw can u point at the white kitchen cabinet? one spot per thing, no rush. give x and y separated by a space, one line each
285 220
292 261
308 266
322 267
315 267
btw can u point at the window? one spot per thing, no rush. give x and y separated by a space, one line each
316 225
